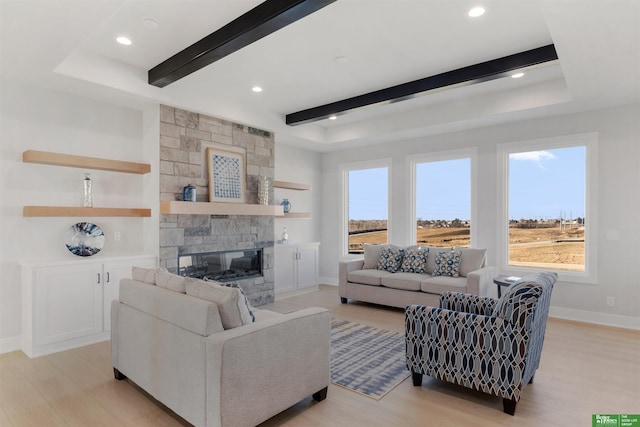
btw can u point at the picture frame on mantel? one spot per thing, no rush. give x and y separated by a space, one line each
227 174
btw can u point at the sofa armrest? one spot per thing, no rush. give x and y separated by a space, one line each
479 282
274 364
467 303
346 267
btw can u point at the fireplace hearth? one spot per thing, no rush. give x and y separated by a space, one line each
222 266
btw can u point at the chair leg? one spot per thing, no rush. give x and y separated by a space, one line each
416 378
509 406
532 377
118 375
320 395
343 300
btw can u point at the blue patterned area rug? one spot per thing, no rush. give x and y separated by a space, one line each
367 360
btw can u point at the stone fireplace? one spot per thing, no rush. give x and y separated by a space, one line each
184 138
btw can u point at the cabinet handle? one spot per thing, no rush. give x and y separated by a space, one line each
107 277
98 278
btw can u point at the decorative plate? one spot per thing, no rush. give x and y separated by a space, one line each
84 239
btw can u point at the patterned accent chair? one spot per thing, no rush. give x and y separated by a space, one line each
482 343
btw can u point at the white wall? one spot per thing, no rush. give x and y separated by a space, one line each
40 119
618 195
305 167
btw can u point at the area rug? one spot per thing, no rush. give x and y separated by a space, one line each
366 360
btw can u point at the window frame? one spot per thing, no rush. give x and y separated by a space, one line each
590 142
345 168
440 156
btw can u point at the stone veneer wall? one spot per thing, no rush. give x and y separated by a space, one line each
184 137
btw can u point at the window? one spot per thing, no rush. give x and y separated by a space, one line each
366 205
548 222
442 198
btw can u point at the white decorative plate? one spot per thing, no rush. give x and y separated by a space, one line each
84 239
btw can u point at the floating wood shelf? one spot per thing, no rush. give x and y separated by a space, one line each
298 215
82 211
168 207
73 161
291 185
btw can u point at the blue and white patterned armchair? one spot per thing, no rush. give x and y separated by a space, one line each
482 343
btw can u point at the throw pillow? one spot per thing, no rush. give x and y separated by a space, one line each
390 259
146 275
447 264
231 303
173 282
372 254
471 259
415 260
246 301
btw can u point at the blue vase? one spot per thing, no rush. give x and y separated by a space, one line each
286 204
189 193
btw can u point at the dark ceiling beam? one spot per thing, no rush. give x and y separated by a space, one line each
477 73
262 20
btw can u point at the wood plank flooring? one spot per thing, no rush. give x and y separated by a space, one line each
585 369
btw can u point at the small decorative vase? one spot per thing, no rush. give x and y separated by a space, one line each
189 193
286 204
88 189
263 190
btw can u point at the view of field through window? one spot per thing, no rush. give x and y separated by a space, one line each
546 205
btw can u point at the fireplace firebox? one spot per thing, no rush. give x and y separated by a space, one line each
222 266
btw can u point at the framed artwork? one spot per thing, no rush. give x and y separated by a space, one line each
227 176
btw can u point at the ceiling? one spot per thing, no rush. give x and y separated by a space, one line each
70 46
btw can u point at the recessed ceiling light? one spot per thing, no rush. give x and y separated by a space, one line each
333 117
256 89
341 59
476 11
123 40
517 75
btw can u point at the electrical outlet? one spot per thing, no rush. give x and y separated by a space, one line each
116 236
611 302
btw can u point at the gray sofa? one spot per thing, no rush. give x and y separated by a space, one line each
362 279
179 349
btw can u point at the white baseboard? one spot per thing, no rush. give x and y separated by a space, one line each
606 319
329 281
7 345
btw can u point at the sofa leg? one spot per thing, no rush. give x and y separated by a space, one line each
343 300
118 375
416 378
320 395
509 406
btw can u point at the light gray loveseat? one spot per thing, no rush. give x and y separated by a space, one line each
175 346
360 279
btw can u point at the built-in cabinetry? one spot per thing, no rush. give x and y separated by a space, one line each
69 160
293 186
68 304
296 266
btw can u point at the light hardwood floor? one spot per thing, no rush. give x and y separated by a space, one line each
585 369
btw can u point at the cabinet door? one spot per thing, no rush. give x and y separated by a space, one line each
68 302
113 272
307 266
284 266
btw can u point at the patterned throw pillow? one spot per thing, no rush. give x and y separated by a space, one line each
448 264
415 260
390 259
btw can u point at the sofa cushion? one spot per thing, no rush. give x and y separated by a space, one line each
367 277
170 281
372 254
232 305
146 275
390 259
193 314
440 284
415 260
447 264
405 281
265 314
471 259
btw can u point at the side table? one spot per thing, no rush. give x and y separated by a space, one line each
505 281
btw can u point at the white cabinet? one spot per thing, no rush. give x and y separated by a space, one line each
68 304
296 266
